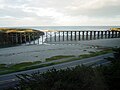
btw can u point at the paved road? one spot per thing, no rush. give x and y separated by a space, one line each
11 80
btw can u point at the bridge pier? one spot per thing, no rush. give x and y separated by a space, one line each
55 36
83 35
105 34
75 35
115 34
29 37
98 36
59 36
90 35
119 34
79 36
109 34
71 36
63 36
94 34
67 35
101 34
86 35
16 40
50 36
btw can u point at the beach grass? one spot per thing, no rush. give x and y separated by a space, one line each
92 54
59 57
5 69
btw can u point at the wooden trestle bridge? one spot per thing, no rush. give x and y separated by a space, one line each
54 36
61 36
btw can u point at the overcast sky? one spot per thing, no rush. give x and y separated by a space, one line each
59 12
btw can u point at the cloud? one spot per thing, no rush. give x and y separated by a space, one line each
59 12
95 8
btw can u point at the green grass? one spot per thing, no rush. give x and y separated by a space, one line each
59 57
4 69
2 66
92 54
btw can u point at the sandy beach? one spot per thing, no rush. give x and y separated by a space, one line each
30 53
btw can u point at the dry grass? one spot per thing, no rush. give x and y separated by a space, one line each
10 30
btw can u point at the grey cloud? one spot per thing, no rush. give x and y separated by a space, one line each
18 9
15 12
111 11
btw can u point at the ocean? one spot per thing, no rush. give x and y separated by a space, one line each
73 28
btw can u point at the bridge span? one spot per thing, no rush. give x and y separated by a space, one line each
54 36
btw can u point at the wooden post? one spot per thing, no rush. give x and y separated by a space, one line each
38 36
67 35
105 34
75 36
102 34
42 39
118 34
90 35
71 35
63 35
16 38
59 35
46 36
55 36
50 37
98 34
0 38
3 38
86 35
79 35
11 38
29 36
115 34
6 38
112 34
82 35
94 34
20 38
25 36
109 34
33 37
